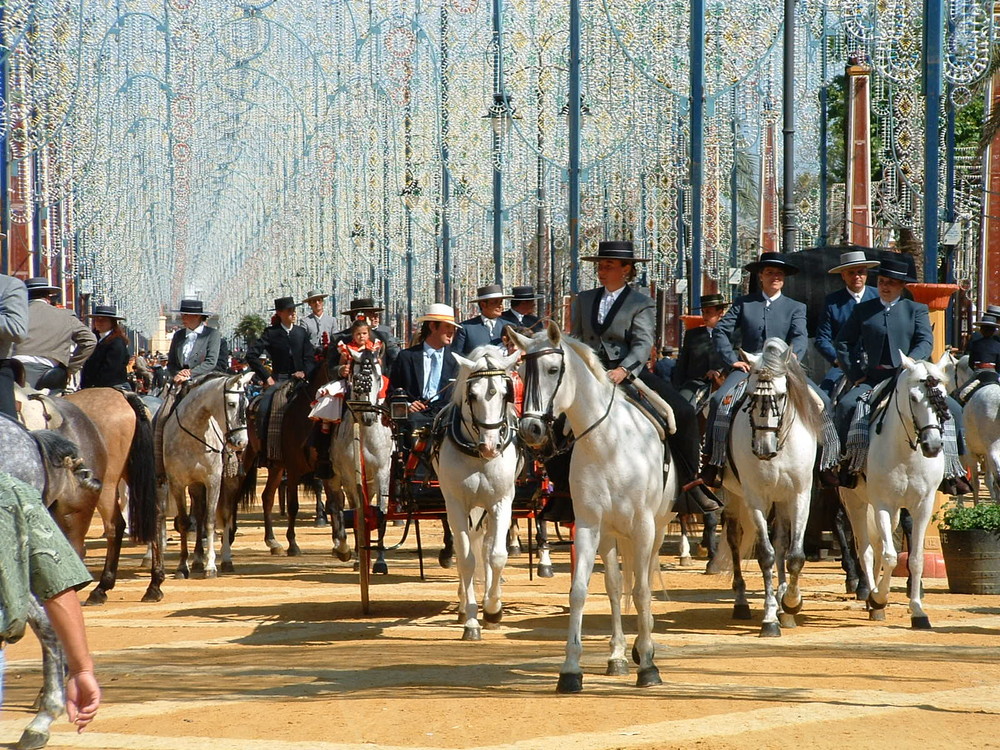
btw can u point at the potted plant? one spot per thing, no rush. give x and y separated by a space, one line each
970 544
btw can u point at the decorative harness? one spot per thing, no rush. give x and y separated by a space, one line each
505 424
771 405
362 384
531 381
938 404
241 423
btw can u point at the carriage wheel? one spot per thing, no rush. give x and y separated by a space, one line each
362 536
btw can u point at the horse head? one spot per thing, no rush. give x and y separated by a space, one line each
235 405
544 370
487 395
767 396
366 381
921 382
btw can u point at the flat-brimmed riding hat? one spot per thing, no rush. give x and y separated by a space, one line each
851 259
314 294
284 303
895 269
105 311
622 250
986 320
712 300
439 313
488 292
39 286
774 260
364 304
993 310
192 307
524 294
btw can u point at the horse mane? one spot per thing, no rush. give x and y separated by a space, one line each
480 352
589 357
934 396
800 395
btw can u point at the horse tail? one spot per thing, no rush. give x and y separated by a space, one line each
248 485
142 504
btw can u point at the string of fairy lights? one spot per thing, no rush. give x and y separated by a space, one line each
241 151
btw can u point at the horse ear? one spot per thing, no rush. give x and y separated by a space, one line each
908 362
510 361
554 333
749 357
245 378
521 342
462 361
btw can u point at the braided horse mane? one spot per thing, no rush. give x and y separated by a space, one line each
775 362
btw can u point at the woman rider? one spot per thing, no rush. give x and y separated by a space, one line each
106 366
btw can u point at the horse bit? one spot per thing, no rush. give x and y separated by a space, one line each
937 403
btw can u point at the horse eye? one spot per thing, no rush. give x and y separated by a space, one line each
553 370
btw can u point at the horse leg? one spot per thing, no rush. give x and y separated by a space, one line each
585 544
496 549
274 475
857 515
617 663
447 555
641 547
114 533
544 568
465 560
292 507
182 522
198 510
915 562
780 542
709 539
734 537
52 698
765 559
513 540
685 546
335 512
156 572
879 597
854 580
210 503
795 558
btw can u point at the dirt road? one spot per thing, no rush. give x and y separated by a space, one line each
279 657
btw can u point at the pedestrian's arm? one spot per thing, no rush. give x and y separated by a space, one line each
83 694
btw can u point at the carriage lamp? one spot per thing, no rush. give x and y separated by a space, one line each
399 406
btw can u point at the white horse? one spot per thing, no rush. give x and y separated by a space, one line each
363 408
622 497
201 436
906 462
477 465
774 444
982 438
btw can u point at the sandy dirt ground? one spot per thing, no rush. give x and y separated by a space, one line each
279 656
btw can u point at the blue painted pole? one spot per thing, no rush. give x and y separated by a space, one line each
697 115
445 174
789 229
933 53
949 188
5 171
824 98
497 143
573 172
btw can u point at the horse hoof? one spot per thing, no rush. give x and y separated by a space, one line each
873 604
617 668
343 555
493 617
876 615
380 568
276 550
97 598
472 634
741 611
180 575
851 585
228 567
570 682
863 592
544 571
686 561
648 677
792 610
514 551
293 550
920 623
32 740
770 630
152 595
446 558
786 620
210 573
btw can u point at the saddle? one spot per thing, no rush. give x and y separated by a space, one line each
982 379
654 408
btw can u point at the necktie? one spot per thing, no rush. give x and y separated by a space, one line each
490 324
605 308
431 387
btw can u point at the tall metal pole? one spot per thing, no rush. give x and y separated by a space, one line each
824 98
788 212
933 53
5 157
497 142
697 145
445 174
949 188
573 172
733 196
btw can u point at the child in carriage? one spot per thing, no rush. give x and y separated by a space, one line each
328 407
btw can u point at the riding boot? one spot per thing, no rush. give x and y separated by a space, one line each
321 442
711 475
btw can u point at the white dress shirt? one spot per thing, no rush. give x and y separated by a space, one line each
190 337
607 302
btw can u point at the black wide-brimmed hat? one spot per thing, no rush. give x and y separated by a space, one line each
993 310
774 260
622 250
712 300
39 286
986 320
894 269
105 311
364 304
192 307
488 292
284 303
314 294
524 294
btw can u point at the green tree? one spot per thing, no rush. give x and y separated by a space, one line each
250 327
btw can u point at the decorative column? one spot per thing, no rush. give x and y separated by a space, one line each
858 224
989 250
768 224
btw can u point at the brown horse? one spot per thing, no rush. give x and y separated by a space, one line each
123 422
297 466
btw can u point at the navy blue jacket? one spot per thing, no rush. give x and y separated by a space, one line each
105 368
531 322
474 333
748 324
289 352
408 374
870 336
836 310
985 351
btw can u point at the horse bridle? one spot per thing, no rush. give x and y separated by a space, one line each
768 400
938 404
225 438
492 371
531 393
362 381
